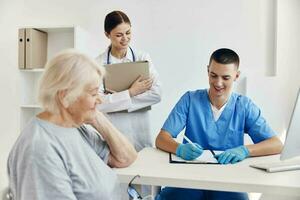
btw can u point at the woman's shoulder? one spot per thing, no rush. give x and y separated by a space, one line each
33 142
33 130
41 136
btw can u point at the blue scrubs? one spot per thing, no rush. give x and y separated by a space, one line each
193 112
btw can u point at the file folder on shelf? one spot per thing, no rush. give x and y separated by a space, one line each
22 48
32 48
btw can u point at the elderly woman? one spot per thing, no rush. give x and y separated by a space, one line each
66 151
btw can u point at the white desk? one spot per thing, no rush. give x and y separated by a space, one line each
154 168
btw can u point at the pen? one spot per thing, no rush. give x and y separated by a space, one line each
189 141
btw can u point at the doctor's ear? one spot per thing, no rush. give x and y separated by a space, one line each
237 75
107 35
61 98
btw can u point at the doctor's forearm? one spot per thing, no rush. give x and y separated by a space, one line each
145 99
115 102
165 142
267 147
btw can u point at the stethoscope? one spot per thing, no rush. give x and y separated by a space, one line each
109 50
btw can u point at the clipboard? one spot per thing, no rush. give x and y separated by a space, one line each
207 157
120 76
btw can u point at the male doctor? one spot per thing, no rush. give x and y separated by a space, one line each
216 119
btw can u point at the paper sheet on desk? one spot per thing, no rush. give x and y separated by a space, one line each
206 157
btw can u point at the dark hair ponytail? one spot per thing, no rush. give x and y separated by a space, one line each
113 19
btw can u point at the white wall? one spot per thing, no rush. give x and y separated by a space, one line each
276 95
180 37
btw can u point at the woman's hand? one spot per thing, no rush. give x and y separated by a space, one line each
95 119
122 152
140 86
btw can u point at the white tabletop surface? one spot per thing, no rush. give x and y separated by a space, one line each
154 169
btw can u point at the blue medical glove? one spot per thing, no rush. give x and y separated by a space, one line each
233 155
189 151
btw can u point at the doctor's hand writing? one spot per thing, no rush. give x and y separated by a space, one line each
233 155
140 86
189 151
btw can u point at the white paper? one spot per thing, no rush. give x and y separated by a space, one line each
205 157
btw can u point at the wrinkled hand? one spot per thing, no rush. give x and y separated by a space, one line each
94 118
189 151
140 86
233 155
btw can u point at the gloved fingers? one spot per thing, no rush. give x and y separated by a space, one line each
220 156
223 157
193 148
196 150
199 149
235 160
196 154
192 155
233 155
186 153
188 157
229 158
189 151
198 145
217 155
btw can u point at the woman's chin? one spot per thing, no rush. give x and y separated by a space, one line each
89 118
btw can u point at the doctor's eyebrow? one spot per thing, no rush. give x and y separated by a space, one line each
121 33
224 76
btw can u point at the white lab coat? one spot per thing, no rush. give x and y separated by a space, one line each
135 123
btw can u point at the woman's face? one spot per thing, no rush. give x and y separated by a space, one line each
84 108
120 36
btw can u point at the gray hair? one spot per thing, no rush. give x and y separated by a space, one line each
69 70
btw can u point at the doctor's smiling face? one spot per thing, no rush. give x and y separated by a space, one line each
223 70
120 36
221 78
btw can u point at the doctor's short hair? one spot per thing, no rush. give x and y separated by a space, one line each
225 56
71 71
113 19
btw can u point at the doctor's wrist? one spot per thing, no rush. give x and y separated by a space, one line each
246 151
178 150
132 92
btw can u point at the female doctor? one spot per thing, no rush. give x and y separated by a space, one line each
128 110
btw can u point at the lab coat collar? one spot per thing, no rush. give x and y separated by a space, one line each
128 56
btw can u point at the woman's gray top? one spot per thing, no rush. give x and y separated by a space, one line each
53 162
